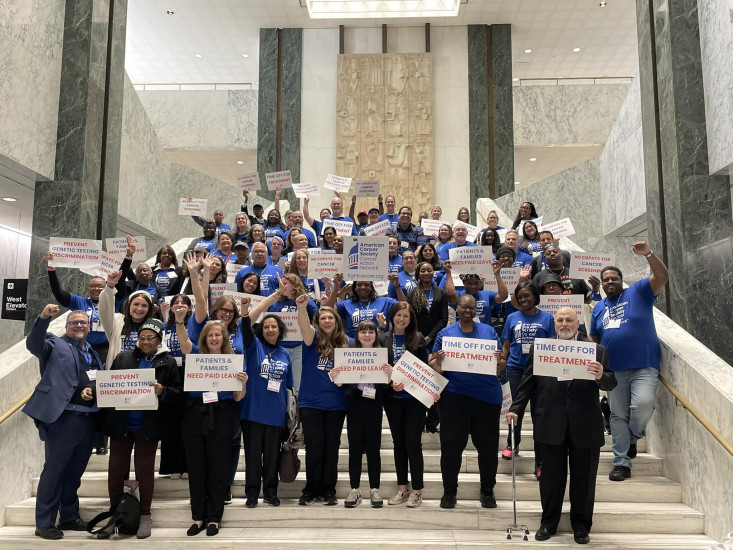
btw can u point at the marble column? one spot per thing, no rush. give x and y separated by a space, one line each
290 43
688 210
88 142
491 124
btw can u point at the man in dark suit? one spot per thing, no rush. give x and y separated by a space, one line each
63 408
567 421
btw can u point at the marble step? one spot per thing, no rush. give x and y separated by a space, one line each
609 517
636 489
644 464
169 538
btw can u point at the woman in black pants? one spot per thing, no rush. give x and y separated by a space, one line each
405 414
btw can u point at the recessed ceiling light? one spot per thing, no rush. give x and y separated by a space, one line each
9 199
517 182
528 50
198 55
576 50
170 12
245 55
532 159
515 79
603 4
240 162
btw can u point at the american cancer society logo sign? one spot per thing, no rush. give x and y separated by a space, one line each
354 257
367 258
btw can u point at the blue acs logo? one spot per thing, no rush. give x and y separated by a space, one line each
354 257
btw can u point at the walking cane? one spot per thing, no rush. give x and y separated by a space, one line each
514 526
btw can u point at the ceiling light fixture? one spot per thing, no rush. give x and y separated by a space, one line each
515 79
9 199
517 182
532 159
603 4
245 55
198 55
576 50
170 12
528 50
370 9
240 162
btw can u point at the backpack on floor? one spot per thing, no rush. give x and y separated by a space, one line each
125 517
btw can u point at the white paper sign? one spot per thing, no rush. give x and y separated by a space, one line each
249 182
502 234
324 263
232 270
70 252
192 207
420 381
366 188
254 299
107 264
510 276
365 258
118 247
431 227
553 303
169 299
337 183
469 355
381 287
536 221
127 389
563 358
472 230
360 365
290 318
342 227
559 229
212 372
472 259
278 180
218 290
506 398
305 190
378 229
585 264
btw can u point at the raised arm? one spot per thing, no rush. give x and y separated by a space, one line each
336 287
264 305
276 204
304 322
245 324
502 291
184 341
107 304
306 213
660 275
62 296
395 280
36 342
450 288
193 264
352 208
380 201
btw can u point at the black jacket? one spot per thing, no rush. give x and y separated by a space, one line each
561 406
430 323
166 373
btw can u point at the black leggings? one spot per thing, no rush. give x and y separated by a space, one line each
406 417
364 428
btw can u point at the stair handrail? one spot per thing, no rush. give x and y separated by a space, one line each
686 405
15 408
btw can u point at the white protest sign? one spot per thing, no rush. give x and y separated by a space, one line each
290 318
472 230
563 358
305 190
324 263
212 372
192 207
118 247
536 221
360 365
378 229
469 355
342 227
510 276
366 188
128 389
559 229
431 227
472 259
254 299
586 264
108 263
502 234
79 253
218 290
169 299
381 287
232 270
506 398
421 382
249 182
553 303
278 180
365 258
337 183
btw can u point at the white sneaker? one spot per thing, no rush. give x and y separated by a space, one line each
354 499
415 500
398 498
375 497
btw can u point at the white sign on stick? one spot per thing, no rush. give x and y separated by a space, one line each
249 182
586 264
421 382
254 299
192 207
472 230
563 358
506 398
365 258
510 276
465 260
360 365
232 270
118 247
342 227
305 190
278 180
217 290
107 264
70 252
553 303
212 372
431 227
290 318
559 229
324 263
337 183
366 188
536 221
127 388
469 355
378 229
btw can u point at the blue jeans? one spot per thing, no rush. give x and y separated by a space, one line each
632 405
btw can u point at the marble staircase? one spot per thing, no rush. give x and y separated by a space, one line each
643 512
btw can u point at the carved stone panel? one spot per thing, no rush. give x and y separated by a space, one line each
385 125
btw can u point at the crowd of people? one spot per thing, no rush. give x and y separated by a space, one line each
144 317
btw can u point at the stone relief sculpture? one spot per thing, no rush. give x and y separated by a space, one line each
385 124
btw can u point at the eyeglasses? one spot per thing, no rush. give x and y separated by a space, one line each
146 339
77 323
467 307
96 287
225 311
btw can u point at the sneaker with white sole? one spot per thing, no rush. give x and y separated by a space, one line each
415 500
398 498
375 497
354 499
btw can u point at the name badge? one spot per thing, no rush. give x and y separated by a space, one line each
179 361
97 327
273 385
369 393
613 323
561 379
92 375
405 244
525 348
210 397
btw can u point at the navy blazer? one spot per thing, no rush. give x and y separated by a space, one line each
59 361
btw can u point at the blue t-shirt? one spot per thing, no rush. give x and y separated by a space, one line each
634 344
268 278
483 387
530 246
522 259
206 244
317 391
353 313
135 418
393 218
445 249
289 306
266 363
274 231
521 330
235 336
395 263
324 224
407 282
96 332
398 347
312 241
310 285
225 258
317 226
129 342
164 279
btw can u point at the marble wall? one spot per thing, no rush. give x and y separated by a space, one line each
202 119
716 46
31 34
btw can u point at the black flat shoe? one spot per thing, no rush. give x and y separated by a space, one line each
581 537
77 525
251 502
212 530
195 530
543 533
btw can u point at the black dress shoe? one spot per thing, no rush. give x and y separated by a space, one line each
448 501
195 529
619 473
581 537
251 502
488 499
212 530
101 450
49 533
543 533
77 525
